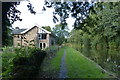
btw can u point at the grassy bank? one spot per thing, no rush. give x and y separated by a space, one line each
51 64
80 67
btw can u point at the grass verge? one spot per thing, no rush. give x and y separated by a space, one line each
51 65
80 67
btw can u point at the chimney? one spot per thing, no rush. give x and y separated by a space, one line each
16 27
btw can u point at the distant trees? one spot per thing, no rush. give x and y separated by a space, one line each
61 34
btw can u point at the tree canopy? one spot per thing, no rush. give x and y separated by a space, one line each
78 10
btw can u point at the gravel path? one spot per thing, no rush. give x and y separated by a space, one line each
63 69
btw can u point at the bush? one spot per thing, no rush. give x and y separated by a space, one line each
51 51
21 62
7 61
28 66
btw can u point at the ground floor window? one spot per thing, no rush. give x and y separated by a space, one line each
42 45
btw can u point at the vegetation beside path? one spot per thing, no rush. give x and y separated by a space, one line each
79 66
51 64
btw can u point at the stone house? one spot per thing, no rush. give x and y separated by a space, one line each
34 36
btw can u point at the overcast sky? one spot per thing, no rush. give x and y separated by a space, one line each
42 18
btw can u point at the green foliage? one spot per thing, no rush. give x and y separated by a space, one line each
27 67
101 27
48 28
60 33
100 31
51 51
77 10
17 62
51 64
7 61
56 61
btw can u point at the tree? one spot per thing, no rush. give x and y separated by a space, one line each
47 28
61 34
106 18
6 38
77 10
9 15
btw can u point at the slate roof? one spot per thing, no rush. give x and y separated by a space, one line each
23 31
18 31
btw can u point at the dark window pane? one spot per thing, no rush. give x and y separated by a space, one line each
40 45
44 36
44 45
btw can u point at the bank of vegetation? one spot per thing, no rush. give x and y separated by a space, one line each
51 64
21 62
98 36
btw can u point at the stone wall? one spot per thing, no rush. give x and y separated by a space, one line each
30 37
25 39
17 40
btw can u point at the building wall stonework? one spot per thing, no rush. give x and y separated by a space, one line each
17 40
25 39
31 37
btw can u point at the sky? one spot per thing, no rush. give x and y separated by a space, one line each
42 18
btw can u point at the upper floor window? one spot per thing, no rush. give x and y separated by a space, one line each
18 36
42 36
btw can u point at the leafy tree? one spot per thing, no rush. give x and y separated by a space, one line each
47 28
62 34
77 10
9 15
5 21
107 21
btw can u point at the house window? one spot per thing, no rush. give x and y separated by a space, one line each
41 45
15 36
39 36
42 36
18 36
22 37
44 45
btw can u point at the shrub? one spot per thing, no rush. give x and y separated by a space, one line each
7 61
51 51
21 62
26 67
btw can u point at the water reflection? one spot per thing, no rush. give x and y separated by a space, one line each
106 58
